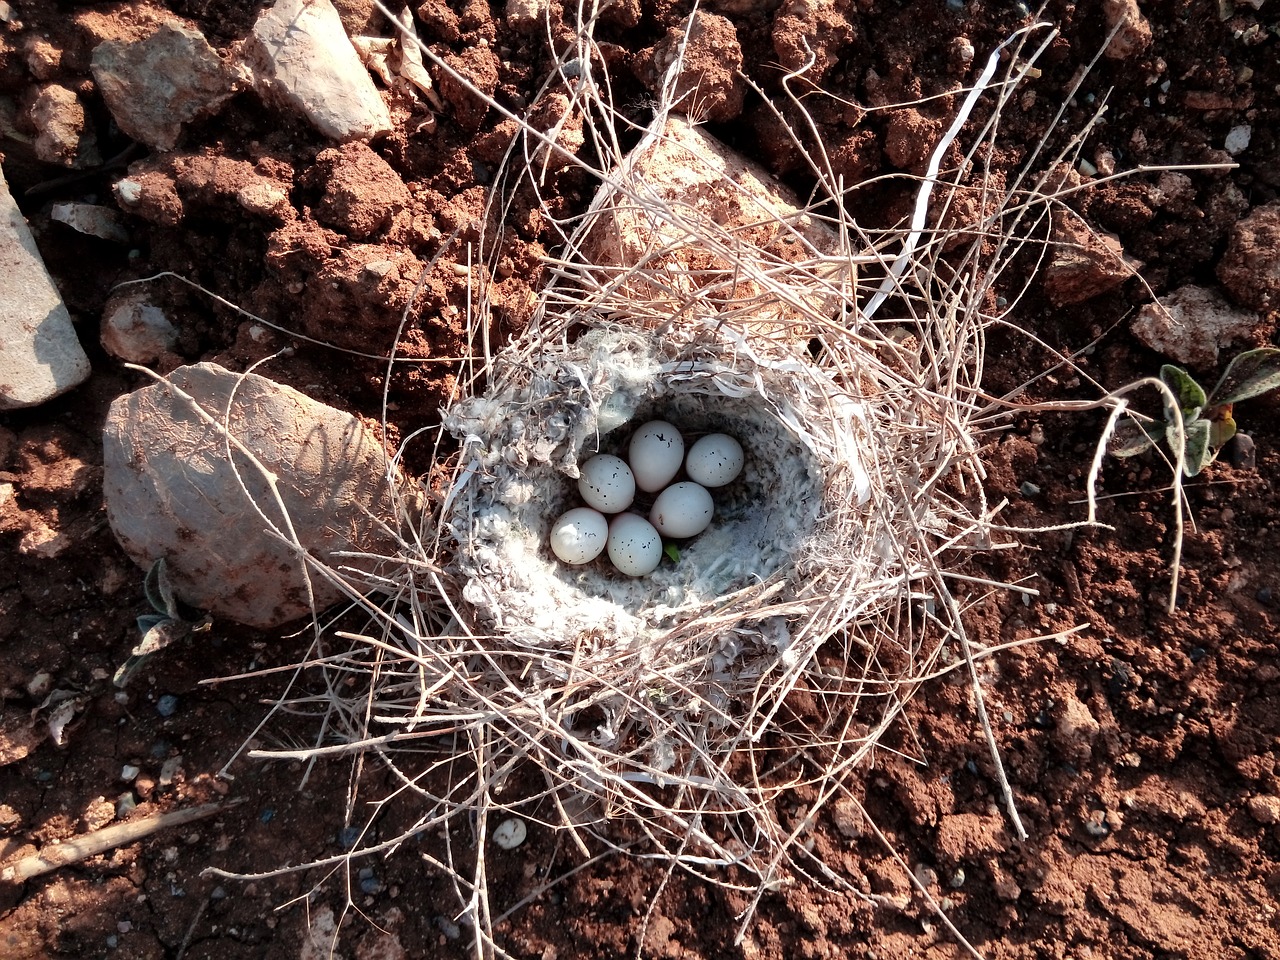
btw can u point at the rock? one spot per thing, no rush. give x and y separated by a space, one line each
1264 809
479 66
362 194
1134 34
155 85
135 330
40 356
709 88
1192 325
810 35
1083 263
1238 138
525 15
702 188
64 134
92 220
1250 269
172 491
300 57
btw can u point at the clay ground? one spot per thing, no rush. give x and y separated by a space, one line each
1142 752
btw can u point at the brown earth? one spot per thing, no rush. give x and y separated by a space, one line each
1142 751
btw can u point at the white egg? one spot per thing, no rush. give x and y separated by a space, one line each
682 510
606 483
656 452
634 546
715 460
580 535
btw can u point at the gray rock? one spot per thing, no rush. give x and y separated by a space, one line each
172 491
92 220
153 86
301 58
136 330
40 356
64 134
1192 325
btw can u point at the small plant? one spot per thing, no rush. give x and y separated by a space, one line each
1206 421
161 628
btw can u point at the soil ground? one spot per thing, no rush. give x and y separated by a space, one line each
1143 751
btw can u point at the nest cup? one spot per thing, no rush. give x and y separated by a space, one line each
523 441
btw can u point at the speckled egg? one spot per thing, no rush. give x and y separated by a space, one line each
682 510
715 460
606 483
634 546
580 535
656 453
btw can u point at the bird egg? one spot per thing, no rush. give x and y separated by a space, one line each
656 452
606 483
580 535
682 510
715 460
634 546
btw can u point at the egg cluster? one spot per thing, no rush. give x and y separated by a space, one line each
608 485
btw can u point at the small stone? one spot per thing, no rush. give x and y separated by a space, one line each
1192 325
1238 138
1134 34
135 330
125 805
167 705
1082 263
1241 452
1264 809
155 85
169 771
91 220
129 773
1029 489
526 15
709 87
510 833
64 134
1250 269
300 57
40 356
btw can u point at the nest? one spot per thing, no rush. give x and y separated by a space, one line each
668 715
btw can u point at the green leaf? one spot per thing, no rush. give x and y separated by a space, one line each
1249 375
1190 394
672 552
1132 438
1198 452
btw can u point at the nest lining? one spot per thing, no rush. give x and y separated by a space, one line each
523 441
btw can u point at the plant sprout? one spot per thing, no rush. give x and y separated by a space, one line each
1201 423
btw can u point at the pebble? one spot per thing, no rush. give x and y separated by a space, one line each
1241 452
64 133
169 770
1192 325
348 837
1265 809
167 705
40 356
155 85
135 330
91 220
125 805
129 772
301 58
1238 138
